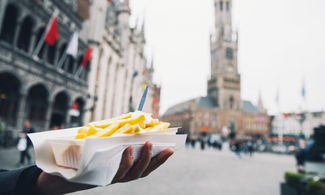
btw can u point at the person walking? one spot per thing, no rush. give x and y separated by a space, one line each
24 143
250 147
238 148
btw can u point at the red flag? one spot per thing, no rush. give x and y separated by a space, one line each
87 57
109 1
52 35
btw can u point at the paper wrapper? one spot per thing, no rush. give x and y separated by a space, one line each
94 161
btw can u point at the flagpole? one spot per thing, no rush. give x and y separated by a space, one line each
41 41
79 71
62 60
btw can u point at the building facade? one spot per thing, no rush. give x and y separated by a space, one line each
119 69
35 88
222 111
296 124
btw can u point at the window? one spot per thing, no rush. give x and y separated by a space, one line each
229 53
51 54
71 63
221 5
25 34
231 102
9 24
227 6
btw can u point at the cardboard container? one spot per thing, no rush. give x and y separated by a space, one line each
94 161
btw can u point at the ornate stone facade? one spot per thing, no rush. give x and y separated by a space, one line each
119 67
35 88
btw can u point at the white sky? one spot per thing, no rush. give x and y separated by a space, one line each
281 43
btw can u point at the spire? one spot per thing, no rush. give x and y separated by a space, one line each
151 65
142 31
260 101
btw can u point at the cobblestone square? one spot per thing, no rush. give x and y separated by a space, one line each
192 171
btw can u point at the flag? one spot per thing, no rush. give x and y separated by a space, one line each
109 1
87 57
52 34
73 45
303 90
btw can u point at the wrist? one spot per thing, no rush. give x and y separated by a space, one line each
52 184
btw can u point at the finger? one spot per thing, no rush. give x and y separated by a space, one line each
158 160
141 165
125 165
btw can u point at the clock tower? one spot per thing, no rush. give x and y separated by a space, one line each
224 83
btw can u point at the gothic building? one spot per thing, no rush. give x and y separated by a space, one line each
119 68
35 88
222 110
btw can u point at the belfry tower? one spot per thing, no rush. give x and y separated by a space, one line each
224 83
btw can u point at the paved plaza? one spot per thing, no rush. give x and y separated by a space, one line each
192 171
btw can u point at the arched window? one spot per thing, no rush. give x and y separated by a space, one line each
9 24
38 38
51 54
221 5
25 34
37 103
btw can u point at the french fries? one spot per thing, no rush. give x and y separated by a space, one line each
131 123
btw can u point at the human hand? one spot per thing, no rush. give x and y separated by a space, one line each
128 171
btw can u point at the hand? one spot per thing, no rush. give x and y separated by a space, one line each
128 171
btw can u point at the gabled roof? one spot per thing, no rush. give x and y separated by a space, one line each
178 108
206 102
249 107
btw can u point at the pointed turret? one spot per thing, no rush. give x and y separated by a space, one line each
260 102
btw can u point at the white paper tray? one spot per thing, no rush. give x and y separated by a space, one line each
100 157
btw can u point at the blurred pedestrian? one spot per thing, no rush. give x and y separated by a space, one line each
301 156
237 146
250 147
193 141
202 142
245 148
24 143
188 141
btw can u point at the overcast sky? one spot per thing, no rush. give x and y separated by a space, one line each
281 43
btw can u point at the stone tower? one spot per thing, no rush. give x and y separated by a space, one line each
224 84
